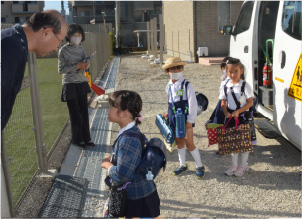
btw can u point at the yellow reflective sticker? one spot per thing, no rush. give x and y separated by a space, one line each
296 84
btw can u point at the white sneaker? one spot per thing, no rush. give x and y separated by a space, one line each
241 170
231 170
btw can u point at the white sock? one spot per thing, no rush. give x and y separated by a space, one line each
196 157
245 156
182 156
235 159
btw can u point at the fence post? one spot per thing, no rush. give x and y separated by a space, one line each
155 37
148 38
6 196
161 38
37 118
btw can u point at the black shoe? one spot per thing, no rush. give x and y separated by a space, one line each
82 146
90 144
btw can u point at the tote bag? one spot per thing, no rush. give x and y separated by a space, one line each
234 139
212 133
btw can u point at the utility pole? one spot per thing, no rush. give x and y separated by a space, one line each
93 8
62 9
104 15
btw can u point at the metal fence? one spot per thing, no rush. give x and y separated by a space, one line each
39 117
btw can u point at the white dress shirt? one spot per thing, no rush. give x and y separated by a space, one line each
248 93
190 96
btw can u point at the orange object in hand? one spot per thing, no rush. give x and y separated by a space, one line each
87 75
99 91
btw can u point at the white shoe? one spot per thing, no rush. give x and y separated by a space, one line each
231 170
241 170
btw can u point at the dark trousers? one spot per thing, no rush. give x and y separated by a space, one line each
79 118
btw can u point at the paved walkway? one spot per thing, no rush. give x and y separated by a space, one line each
87 164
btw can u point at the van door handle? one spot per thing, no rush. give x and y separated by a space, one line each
283 59
246 49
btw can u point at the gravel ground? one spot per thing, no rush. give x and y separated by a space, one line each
272 188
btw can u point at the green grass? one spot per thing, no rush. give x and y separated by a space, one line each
19 134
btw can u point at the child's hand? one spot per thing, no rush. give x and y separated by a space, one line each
188 125
164 114
82 65
106 163
227 115
235 113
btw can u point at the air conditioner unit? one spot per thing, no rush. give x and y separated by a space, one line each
202 51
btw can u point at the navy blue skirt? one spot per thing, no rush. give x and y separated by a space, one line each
144 207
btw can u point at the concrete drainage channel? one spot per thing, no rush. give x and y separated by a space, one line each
79 188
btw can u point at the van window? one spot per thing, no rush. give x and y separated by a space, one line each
244 19
292 19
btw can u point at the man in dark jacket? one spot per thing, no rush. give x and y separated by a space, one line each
41 34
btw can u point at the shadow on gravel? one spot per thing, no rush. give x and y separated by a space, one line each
216 211
273 175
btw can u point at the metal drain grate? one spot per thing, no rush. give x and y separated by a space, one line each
65 198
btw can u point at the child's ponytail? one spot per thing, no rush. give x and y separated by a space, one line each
128 100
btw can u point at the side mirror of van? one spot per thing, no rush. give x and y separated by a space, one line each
227 30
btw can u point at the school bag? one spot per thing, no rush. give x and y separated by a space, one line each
153 157
165 129
202 102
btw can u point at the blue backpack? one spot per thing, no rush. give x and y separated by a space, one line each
153 155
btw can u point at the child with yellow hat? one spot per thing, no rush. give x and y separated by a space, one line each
181 94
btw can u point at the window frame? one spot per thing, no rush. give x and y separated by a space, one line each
243 12
295 35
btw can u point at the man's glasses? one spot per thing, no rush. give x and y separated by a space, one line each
180 67
58 39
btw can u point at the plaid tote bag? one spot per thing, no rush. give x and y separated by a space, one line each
234 139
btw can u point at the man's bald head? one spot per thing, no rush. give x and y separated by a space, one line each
46 19
45 31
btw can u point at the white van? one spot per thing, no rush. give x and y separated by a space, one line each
280 22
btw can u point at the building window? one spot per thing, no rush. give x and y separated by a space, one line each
17 20
2 2
3 20
84 13
15 2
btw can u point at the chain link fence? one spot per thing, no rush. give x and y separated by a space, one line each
29 139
